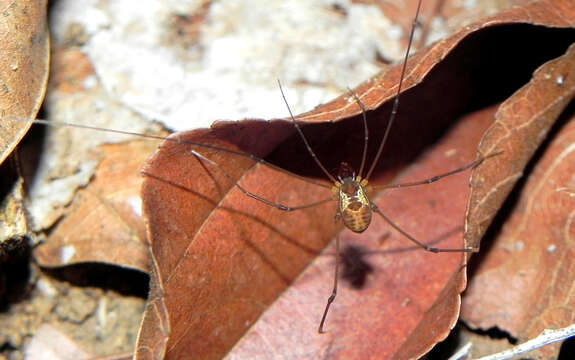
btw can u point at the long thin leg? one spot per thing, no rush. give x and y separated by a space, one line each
437 177
282 207
334 290
396 100
170 139
419 243
302 136
365 131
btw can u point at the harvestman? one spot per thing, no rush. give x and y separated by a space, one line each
349 189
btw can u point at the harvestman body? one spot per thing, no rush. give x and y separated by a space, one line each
350 190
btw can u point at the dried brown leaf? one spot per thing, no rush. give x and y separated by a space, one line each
221 259
218 269
103 223
24 61
409 293
24 55
522 283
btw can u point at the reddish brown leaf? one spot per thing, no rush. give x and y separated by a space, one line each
501 43
24 55
220 240
220 258
410 299
24 45
522 284
522 124
104 216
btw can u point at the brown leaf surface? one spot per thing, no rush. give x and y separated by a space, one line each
221 258
523 283
521 125
24 55
409 293
24 62
491 66
103 223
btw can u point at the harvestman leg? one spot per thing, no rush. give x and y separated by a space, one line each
440 176
423 182
248 193
419 243
334 289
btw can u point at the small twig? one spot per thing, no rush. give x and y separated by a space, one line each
462 352
547 337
